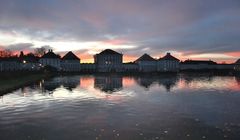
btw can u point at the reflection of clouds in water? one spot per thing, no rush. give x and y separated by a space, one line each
238 79
130 110
124 87
118 83
208 82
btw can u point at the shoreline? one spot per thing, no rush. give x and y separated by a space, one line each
12 81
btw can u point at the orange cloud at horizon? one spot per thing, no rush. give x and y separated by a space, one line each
234 54
228 57
85 58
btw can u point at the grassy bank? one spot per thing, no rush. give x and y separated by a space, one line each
12 81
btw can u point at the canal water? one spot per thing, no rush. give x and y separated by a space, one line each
109 107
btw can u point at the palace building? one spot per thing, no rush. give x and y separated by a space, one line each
70 63
108 61
168 63
146 63
51 59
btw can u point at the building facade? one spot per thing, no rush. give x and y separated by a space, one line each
70 63
30 62
10 66
168 63
130 67
108 61
237 65
88 67
197 65
51 59
146 63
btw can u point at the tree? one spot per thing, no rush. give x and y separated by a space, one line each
21 54
6 53
40 51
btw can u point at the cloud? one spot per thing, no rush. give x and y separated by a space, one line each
132 27
20 46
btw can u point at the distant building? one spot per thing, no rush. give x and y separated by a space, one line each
108 61
70 63
168 63
88 67
29 62
146 63
130 67
204 65
197 65
51 59
224 66
237 65
10 64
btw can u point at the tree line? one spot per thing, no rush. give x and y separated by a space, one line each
9 53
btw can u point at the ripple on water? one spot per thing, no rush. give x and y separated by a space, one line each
109 107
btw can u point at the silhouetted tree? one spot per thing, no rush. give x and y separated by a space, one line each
30 55
6 53
39 51
21 54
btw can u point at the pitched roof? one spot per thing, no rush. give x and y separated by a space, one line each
50 54
238 61
168 56
109 51
70 56
208 62
145 57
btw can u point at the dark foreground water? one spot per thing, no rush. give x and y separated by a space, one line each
167 107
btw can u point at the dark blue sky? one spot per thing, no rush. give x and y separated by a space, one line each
195 29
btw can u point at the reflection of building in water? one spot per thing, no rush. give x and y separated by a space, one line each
67 82
238 79
145 81
71 83
189 78
109 83
51 84
168 81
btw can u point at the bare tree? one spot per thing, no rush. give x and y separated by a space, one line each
39 51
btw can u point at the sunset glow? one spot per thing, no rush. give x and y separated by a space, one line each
190 30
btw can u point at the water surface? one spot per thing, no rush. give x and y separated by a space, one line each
108 107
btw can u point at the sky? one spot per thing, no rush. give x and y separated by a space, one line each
189 29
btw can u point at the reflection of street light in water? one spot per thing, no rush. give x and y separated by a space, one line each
40 84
